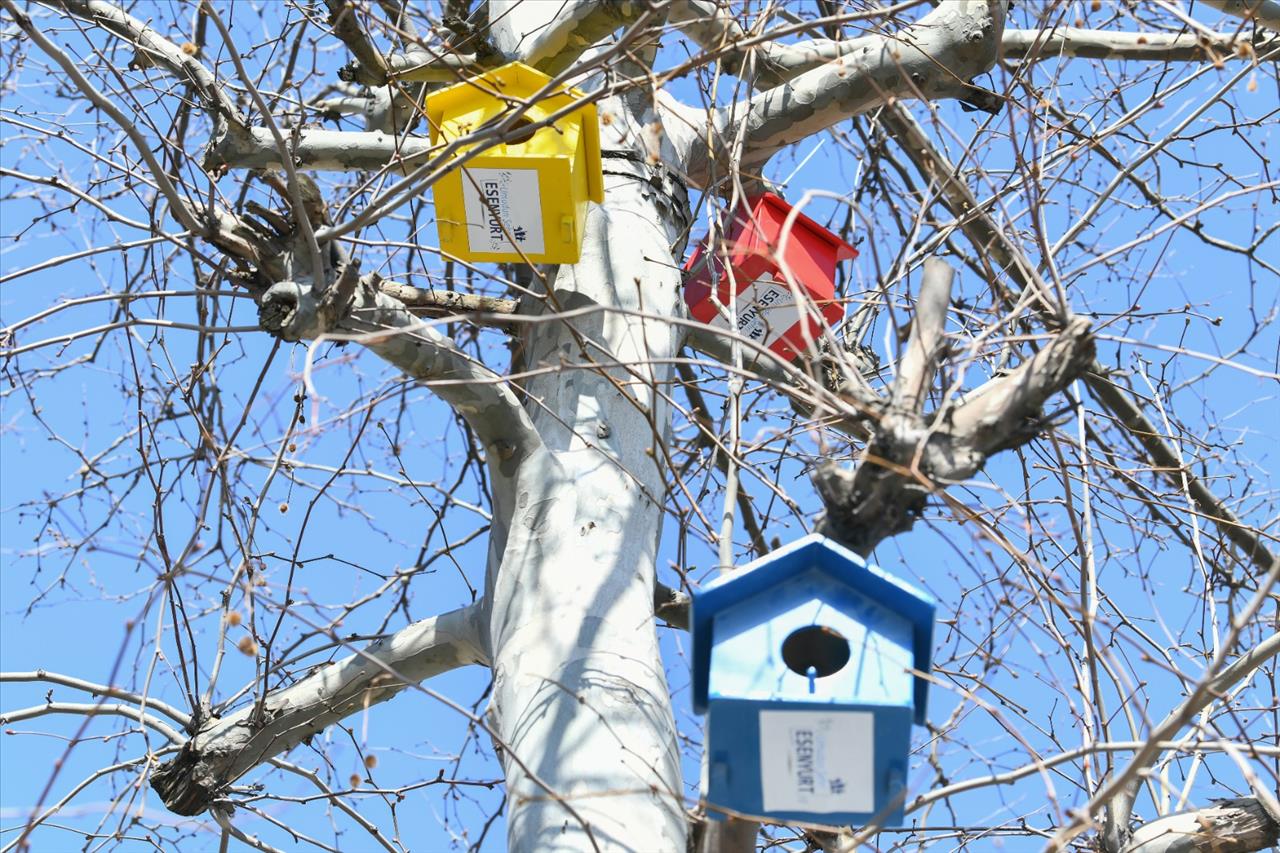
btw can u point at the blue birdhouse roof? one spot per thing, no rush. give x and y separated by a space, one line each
812 553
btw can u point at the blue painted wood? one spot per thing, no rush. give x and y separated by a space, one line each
735 782
794 744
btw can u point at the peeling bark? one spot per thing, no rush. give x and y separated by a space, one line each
320 150
1228 826
417 299
342 17
551 36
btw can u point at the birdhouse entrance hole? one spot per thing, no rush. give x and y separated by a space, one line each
522 132
815 651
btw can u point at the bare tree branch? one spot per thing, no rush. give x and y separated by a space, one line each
320 150
1264 12
158 50
1078 42
342 17
572 457
439 302
481 396
1006 411
294 191
985 234
177 204
712 25
1041 762
91 709
909 456
551 36
143 702
427 66
226 748
214 224
925 342
934 58
1119 790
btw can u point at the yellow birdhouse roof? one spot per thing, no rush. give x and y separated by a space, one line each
500 88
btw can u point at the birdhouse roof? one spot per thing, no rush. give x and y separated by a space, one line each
779 211
812 553
516 82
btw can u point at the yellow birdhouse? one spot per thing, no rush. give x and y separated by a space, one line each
525 200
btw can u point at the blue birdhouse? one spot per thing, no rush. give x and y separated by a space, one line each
802 662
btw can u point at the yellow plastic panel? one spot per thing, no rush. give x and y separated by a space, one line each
524 201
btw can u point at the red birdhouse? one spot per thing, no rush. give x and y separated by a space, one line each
766 306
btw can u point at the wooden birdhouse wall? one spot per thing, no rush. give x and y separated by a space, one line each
746 655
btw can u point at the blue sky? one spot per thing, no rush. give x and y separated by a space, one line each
95 611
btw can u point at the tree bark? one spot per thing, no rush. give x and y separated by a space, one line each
580 696
1264 12
934 58
227 748
1228 826
1058 42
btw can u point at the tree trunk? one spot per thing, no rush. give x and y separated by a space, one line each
580 699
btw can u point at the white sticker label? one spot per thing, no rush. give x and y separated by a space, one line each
766 311
504 210
814 761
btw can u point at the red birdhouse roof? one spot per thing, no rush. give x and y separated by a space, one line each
758 231
772 211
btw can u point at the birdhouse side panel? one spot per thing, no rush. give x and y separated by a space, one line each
809 252
747 639
796 762
582 176
700 275
743 295
500 208
763 309
802 339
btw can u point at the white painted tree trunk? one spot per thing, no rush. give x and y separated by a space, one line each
580 700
